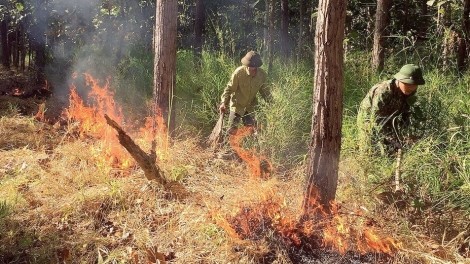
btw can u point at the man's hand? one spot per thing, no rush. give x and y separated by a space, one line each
222 108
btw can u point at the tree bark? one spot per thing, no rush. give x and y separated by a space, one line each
300 44
151 171
199 25
381 22
38 39
4 41
447 43
464 40
270 47
165 61
423 21
285 46
325 144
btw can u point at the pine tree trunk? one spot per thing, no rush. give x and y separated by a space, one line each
4 41
270 47
448 35
285 46
199 25
165 60
300 44
464 44
325 144
381 22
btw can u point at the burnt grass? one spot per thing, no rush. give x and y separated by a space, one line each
255 224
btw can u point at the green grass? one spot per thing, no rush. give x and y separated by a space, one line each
436 166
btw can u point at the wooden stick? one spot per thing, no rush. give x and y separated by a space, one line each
151 170
398 169
216 131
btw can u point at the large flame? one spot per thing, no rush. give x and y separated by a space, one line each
258 165
90 122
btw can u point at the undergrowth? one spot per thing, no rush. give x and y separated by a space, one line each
59 201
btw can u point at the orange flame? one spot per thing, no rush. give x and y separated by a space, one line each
40 114
159 136
17 92
342 232
91 121
258 165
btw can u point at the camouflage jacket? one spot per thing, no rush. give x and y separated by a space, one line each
382 107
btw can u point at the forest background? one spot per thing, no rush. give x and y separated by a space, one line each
54 43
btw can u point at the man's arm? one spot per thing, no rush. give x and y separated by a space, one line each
228 91
265 92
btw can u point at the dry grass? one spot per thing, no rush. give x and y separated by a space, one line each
69 207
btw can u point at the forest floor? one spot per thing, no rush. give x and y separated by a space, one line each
64 198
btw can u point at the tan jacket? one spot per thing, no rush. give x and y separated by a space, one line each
242 89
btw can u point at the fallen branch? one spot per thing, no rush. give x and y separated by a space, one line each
151 170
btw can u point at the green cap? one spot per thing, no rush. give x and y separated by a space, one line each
252 59
410 74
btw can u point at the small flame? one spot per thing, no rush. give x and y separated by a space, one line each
17 92
40 114
258 165
340 231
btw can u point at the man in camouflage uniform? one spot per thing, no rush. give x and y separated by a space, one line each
386 110
242 89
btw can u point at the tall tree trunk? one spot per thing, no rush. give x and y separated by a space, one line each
300 44
448 34
423 20
23 45
4 39
122 32
325 144
199 25
272 19
380 43
16 48
38 39
264 48
285 46
165 60
464 41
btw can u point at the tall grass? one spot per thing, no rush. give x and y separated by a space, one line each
436 166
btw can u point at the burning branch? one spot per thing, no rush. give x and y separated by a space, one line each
151 171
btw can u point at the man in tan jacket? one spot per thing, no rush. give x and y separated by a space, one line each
241 91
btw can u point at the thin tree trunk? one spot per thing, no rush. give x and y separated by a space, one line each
464 44
38 39
301 30
285 46
122 15
423 20
264 48
199 25
380 43
325 144
165 61
448 35
4 39
272 4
